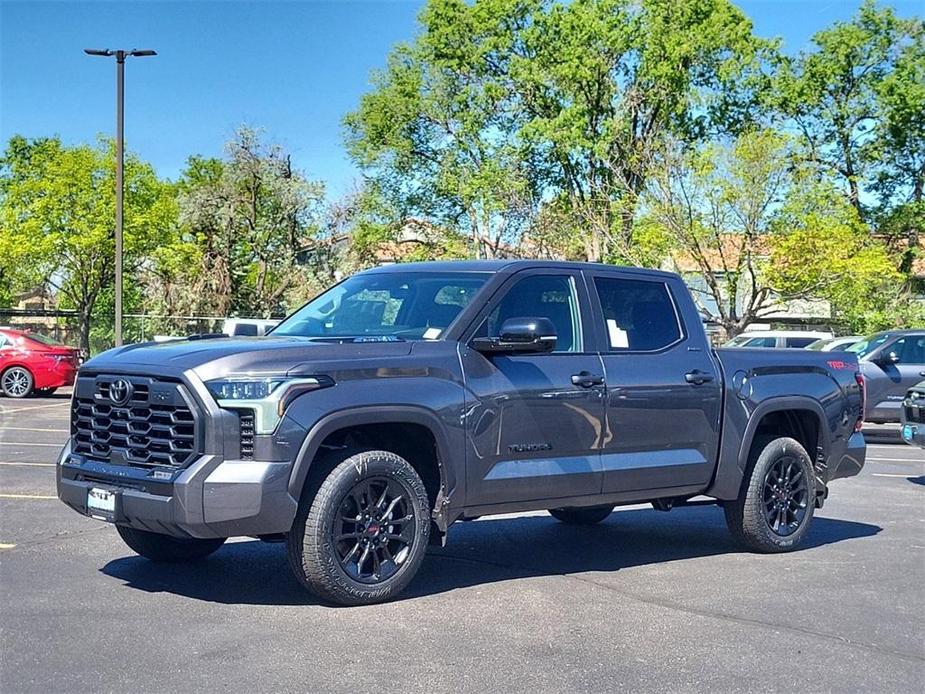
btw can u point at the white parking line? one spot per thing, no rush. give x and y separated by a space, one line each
23 443
54 431
26 496
896 460
891 474
37 407
16 464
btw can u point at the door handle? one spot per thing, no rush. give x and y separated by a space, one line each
921 373
586 379
698 377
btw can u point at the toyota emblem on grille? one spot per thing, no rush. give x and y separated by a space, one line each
120 391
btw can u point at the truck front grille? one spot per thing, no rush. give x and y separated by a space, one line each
133 420
914 407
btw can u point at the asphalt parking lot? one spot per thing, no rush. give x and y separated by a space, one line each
646 601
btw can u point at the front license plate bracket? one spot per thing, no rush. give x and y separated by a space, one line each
103 504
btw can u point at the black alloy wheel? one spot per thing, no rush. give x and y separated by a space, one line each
375 530
774 509
785 496
362 527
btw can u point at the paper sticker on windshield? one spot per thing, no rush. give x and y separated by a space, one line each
432 333
618 337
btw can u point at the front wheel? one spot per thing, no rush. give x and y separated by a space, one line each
360 536
775 506
16 382
581 516
164 548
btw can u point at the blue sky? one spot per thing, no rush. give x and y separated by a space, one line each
291 68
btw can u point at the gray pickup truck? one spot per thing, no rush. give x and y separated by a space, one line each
411 396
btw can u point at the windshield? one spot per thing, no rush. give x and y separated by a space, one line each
407 305
868 344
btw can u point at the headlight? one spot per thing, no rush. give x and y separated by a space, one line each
267 397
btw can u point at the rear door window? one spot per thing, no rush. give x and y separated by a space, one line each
799 341
639 315
245 329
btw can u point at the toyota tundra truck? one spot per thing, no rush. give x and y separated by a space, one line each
411 396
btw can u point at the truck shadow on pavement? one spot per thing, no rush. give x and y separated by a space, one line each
482 552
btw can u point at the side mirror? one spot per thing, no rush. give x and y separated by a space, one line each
888 358
520 335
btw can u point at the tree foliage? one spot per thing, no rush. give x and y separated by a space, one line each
502 104
58 214
757 229
243 220
650 132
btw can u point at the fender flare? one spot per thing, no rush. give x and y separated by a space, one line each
781 404
730 471
371 414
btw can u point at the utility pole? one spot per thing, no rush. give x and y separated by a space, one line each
120 56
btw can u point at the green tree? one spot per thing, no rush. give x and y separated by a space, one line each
58 214
501 104
856 98
244 220
752 229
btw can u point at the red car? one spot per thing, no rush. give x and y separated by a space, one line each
32 363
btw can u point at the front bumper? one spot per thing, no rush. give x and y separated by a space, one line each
913 433
210 498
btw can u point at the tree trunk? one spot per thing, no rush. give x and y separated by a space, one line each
83 326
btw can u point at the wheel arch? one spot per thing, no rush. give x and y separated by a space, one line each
805 419
372 422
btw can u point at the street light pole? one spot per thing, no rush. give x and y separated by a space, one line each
120 165
120 56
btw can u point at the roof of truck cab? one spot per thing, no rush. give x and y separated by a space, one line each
506 265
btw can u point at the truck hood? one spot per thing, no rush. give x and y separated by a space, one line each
238 355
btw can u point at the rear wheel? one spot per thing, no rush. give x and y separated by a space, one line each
164 548
775 507
16 382
360 536
581 516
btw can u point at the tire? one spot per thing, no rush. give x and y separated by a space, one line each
581 516
164 548
779 489
348 545
16 382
